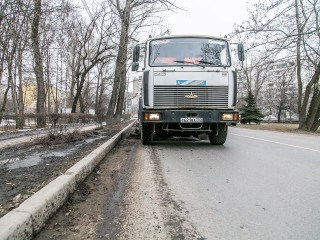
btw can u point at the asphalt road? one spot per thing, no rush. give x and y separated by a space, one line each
259 185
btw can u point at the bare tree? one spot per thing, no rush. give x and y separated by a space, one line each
308 26
12 43
105 74
92 50
19 64
254 73
65 51
38 64
270 25
280 90
133 15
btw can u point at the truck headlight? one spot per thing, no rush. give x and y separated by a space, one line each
152 116
229 117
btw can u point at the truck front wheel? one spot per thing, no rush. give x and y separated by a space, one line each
146 133
218 135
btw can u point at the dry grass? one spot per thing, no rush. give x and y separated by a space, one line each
280 127
60 137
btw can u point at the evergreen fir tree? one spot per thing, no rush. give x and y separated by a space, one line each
250 112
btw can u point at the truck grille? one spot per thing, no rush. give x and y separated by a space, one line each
175 96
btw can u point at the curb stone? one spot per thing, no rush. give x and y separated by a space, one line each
28 219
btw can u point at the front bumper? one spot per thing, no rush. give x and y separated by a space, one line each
176 116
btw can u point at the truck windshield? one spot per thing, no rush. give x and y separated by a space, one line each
189 51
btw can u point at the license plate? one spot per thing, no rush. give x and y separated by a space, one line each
191 120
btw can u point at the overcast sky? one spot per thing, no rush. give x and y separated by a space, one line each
203 17
208 17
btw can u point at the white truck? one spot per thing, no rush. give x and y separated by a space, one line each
189 88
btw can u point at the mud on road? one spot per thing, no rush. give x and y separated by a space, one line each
95 201
26 169
124 198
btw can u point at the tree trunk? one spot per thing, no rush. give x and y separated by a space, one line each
315 101
97 106
279 114
38 68
4 103
316 123
73 78
20 93
48 87
301 111
82 105
119 85
121 97
100 109
13 91
78 93
313 110
1 67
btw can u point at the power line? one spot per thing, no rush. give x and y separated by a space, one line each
87 9
89 13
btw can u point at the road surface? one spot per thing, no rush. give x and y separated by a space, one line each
259 185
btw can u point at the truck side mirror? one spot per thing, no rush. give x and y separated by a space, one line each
136 56
241 52
136 53
135 66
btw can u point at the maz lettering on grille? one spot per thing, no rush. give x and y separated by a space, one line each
191 96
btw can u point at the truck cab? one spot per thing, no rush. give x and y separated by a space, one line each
189 88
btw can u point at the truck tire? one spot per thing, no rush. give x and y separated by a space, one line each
146 133
218 136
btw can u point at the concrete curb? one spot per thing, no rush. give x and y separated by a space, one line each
28 219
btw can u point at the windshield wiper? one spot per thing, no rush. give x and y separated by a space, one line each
205 62
179 61
192 63
212 63
200 63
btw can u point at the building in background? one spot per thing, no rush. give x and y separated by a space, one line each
53 99
30 98
275 88
132 98
279 92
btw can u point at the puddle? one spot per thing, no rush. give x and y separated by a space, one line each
28 161
10 160
91 140
59 153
